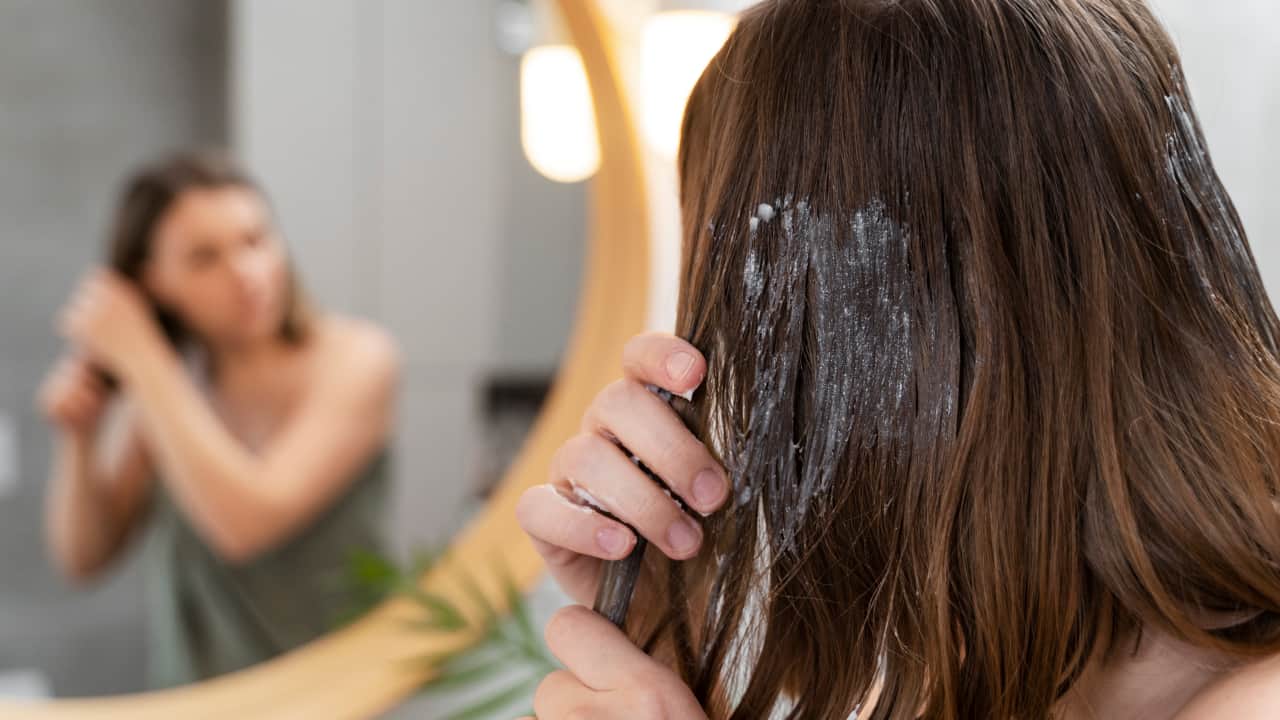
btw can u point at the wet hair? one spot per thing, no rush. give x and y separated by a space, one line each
150 192
990 364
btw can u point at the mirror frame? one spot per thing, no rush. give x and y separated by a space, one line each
370 666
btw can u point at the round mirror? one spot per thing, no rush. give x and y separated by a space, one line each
259 494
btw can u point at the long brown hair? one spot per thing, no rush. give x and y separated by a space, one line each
990 363
150 192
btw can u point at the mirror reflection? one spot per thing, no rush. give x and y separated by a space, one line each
279 292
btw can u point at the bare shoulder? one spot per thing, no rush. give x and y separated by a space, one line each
1251 692
354 349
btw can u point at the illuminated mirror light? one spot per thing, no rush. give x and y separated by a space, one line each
557 118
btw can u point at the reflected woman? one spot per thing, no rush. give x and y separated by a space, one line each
201 396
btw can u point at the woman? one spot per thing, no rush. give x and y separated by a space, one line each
991 368
250 432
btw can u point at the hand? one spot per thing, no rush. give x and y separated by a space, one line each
607 678
572 537
109 318
72 396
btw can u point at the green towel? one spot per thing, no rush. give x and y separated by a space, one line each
206 618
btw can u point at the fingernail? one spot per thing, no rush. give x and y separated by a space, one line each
708 489
612 540
678 365
683 536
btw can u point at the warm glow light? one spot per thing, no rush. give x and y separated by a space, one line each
557 119
677 46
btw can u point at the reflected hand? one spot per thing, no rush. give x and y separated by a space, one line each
572 537
607 677
109 318
72 396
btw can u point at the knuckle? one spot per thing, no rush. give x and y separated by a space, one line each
578 454
650 509
680 449
637 347
615 396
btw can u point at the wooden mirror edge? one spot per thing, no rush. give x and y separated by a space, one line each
370 666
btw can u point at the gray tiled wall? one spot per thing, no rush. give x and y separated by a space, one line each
86 89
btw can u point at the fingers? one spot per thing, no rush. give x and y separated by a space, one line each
77 375
574 540
606 677
603 475
78 408
649 428
99 287
73 394
571 538
83 373
80 404
664 360
547 515
594 651
75 316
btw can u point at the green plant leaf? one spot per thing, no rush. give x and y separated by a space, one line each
506 643
372 570
490 614
366 579
442 615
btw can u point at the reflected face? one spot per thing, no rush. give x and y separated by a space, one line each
218 263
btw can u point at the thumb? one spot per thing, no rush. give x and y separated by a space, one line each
594 650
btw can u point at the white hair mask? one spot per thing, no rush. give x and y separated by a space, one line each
833 284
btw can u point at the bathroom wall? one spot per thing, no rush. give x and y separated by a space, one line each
388 133
86 89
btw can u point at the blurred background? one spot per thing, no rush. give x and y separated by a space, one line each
387 135
429 162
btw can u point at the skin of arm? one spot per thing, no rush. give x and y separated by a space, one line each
94 502
243 503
